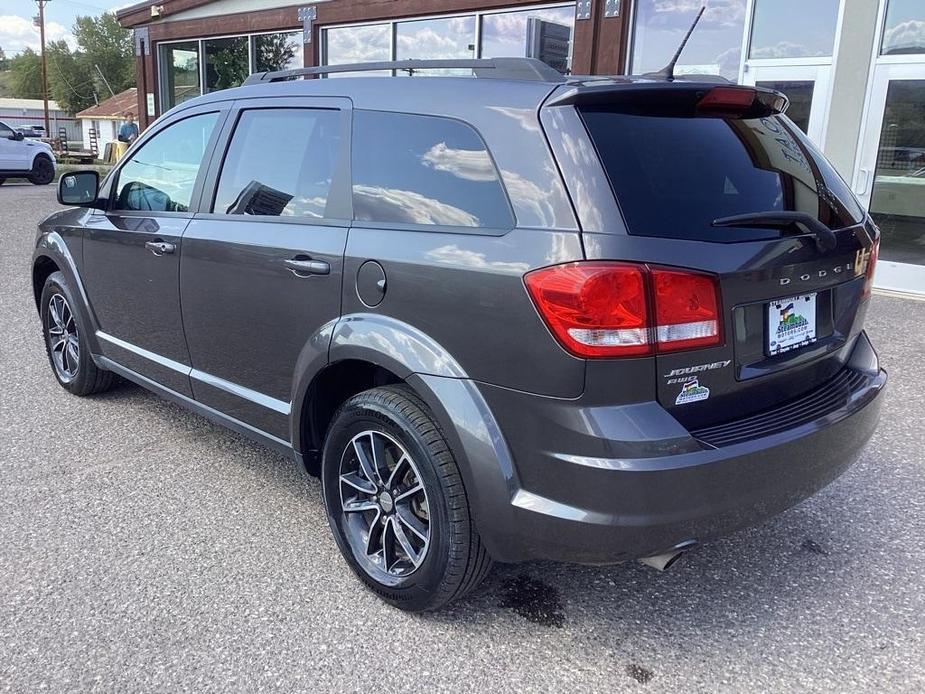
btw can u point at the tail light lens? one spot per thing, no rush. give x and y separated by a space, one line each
871 267
686 309
612 309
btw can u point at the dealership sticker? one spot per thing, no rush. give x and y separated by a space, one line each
692 392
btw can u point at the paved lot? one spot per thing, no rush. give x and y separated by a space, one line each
144 549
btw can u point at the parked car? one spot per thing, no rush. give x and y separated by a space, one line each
22 158
510 318
32 130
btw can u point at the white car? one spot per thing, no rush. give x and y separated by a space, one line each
25 158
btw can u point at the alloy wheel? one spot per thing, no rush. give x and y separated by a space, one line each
386 514
63 340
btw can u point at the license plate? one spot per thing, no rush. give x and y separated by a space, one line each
791 323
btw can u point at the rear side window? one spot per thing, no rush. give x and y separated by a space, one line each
280 163
161 175
412 169
673 176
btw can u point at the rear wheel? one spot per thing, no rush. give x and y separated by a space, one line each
65 341
43 171
396 502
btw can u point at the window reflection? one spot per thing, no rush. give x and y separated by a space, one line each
904 29
226 62
433 39
426 171
160 176
361 44
179 72
715 48
278 51
280 163
775 34
898 201
543 33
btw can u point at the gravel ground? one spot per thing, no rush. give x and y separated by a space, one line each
144 549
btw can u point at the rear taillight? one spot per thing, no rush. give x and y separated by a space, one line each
602 309
871 268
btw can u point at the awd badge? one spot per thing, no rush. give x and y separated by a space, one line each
692 392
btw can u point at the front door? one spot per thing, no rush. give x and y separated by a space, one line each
807 87
891 175
132 251
262 265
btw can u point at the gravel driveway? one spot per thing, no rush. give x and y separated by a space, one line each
144 549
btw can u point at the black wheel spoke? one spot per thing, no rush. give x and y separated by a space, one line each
366 463
358 482
414 556
405 517
63 340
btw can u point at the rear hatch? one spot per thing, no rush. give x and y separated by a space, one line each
792 295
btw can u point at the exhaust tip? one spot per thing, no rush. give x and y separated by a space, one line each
663 562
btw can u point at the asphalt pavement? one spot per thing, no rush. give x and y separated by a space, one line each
144 549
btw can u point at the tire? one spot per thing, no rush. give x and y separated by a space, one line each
43 171
69 356
447 559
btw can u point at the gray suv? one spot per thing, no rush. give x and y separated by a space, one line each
516 317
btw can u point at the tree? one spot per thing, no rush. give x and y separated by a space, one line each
104 44
70 83
3 60
26 75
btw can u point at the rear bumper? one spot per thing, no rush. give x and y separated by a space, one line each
603 485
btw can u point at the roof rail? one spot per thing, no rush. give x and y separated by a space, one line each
529 69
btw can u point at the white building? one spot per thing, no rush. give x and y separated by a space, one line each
17 112
105 118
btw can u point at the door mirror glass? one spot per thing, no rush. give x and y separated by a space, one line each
17 136
78 188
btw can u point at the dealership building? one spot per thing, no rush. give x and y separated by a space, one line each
854 70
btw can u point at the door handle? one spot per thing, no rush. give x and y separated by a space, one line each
160 247
303 266
863 181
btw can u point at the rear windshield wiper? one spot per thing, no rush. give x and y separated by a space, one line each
824 237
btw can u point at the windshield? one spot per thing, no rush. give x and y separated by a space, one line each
673 176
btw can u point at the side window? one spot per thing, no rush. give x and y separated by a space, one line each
160 176
280 163
5 130
424 170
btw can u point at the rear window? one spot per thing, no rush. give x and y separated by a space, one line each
673 176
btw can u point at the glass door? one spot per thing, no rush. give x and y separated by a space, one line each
891 175
807 87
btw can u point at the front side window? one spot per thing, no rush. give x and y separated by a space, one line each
161 175
776 35
413 169
280 162
714 49
904 28
5 130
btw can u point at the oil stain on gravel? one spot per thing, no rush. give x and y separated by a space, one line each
814 547
639 673
533 600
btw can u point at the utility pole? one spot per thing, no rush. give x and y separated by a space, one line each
105 81
41 23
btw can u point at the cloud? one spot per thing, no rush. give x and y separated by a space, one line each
407 207
468 164
905 37
678 14
17 33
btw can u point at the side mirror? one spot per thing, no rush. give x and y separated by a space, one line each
79 188
18 136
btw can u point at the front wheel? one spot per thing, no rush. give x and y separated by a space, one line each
43 171
396 502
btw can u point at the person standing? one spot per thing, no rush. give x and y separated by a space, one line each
128 131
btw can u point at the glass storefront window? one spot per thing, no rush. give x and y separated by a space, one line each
715 48
362 44
179 72
904 28
898 200
226 62
543 33
278 51
800 94
775 34
433 39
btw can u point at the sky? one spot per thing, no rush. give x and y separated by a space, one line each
17 30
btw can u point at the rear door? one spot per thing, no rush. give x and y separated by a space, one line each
792 303
262 263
